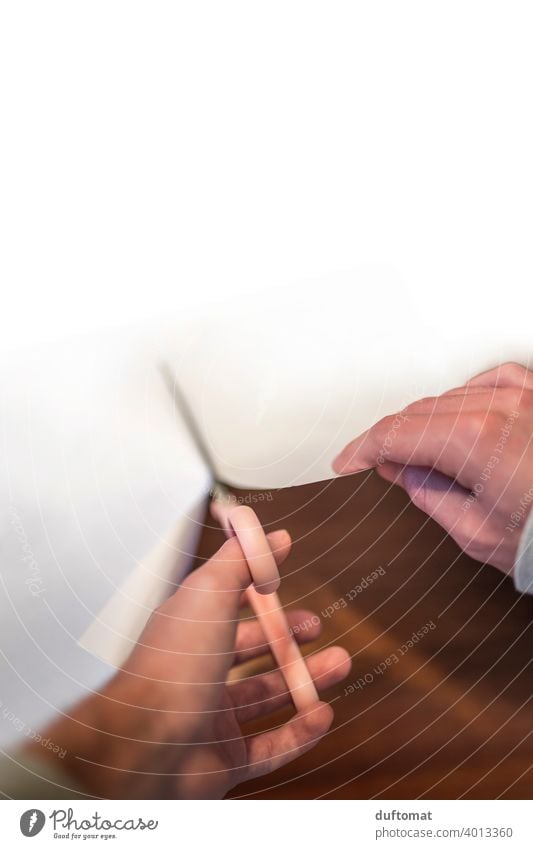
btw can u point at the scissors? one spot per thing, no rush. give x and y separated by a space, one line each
240 521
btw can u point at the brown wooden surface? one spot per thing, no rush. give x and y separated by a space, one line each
453 717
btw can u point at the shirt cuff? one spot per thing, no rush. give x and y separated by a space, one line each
523 568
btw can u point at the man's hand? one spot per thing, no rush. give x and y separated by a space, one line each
465 458
168 725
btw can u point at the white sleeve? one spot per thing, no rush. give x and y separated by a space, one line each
523 570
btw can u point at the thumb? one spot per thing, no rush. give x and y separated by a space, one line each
434 493
437 495
195 628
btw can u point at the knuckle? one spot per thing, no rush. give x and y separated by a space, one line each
466 531
513 371
476 540
420 402
473 426
382 428
467 542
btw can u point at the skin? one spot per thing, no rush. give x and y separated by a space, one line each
465 458
168 725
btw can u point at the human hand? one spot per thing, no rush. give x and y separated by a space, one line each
465 458
168 725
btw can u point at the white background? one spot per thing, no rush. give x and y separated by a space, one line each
156 155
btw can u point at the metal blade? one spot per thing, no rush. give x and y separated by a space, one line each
182 406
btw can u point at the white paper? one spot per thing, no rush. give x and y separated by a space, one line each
280 384
95 475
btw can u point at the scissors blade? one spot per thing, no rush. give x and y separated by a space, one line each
182 406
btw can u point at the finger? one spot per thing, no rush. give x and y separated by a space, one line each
508 374
273 749
251 641
197 625
452 402
214 591
451 505
391 472
479 400
244 523
437 441
262 695
467 389
427 488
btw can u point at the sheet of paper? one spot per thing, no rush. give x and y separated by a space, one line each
280 383
95 475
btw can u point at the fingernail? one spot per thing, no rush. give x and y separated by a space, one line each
415 478
279 533
346 462
338 464
319 718
349 467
